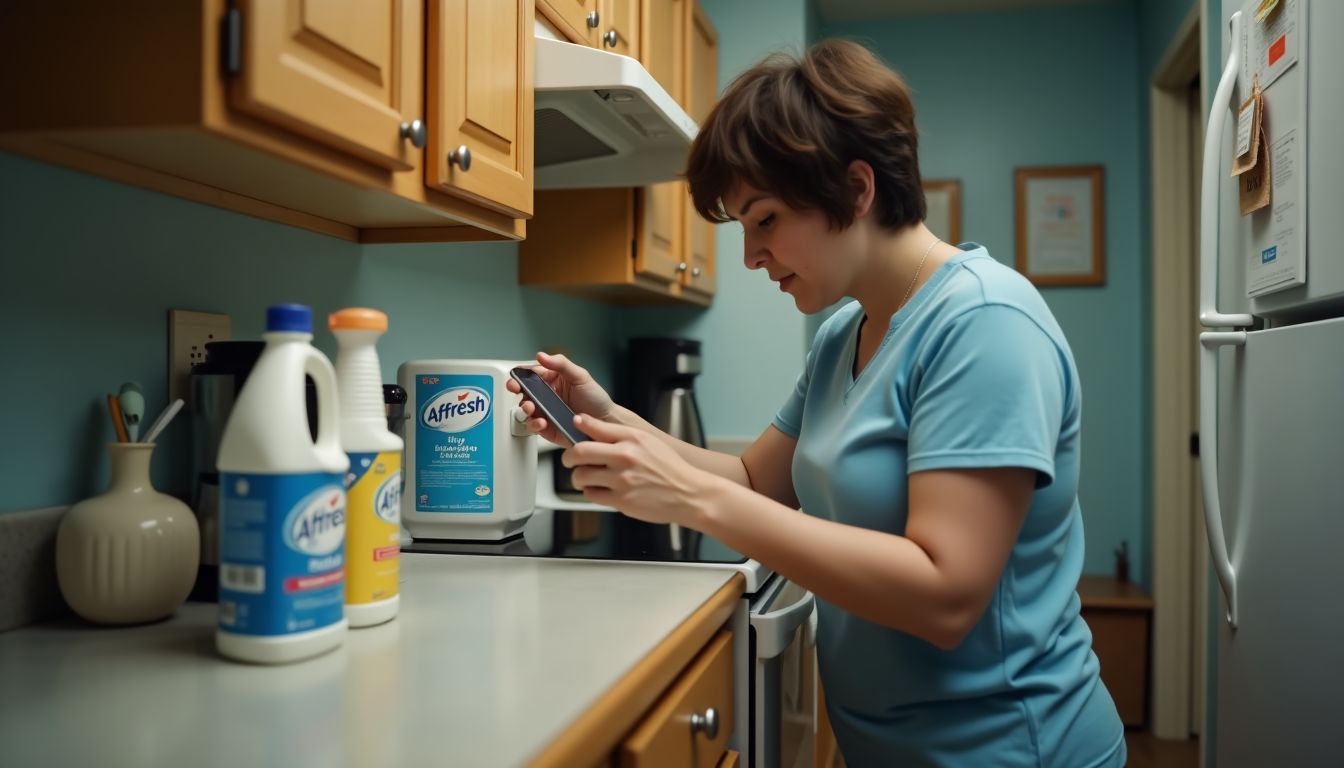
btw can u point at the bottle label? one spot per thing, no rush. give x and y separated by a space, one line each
454 444
281 552
373 526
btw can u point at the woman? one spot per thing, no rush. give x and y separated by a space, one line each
931 441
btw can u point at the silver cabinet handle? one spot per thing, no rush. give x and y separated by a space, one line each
593 20
695 272
415 131
708 723
682 267
461 157
610 38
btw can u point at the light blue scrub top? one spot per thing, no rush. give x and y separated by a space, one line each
973 372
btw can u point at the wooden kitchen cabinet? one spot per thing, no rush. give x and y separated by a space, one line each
619 27
309 113
636 246
644 721
480 101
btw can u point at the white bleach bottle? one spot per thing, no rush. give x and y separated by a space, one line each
282 505
373 483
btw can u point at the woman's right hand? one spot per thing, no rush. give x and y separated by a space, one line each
574 385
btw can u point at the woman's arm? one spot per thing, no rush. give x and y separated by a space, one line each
933 583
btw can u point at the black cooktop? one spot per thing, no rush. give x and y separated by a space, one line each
591 536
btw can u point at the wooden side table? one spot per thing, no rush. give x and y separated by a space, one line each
1120 616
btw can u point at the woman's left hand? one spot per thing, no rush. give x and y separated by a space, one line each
635 472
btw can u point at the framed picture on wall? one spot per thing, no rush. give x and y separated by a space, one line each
942 199
1061 225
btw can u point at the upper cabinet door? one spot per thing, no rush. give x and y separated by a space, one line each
702 84
619 27
578 19
335 71
480 101
662 44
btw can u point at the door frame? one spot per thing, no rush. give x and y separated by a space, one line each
1177 600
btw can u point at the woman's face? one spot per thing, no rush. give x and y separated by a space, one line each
798 250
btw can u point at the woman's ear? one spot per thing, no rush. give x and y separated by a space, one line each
861 184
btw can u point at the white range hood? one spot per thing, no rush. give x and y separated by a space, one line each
603 121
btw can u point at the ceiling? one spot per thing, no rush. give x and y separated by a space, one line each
861 10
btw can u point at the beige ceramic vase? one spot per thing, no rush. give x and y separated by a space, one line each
130 554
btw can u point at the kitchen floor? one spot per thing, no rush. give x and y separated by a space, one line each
1148 751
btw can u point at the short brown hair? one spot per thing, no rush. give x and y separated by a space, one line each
792 126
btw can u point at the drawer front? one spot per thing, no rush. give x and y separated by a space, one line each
668 735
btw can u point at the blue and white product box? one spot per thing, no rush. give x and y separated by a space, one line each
455 443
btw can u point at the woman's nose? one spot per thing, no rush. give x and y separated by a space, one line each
754 258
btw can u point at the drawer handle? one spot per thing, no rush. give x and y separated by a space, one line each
682 267
610 38
594 20
415 131
461 157
695 272
708 722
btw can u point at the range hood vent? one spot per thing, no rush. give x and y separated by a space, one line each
603 121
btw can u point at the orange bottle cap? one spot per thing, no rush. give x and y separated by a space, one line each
357 318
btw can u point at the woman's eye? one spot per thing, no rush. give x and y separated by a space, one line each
767 221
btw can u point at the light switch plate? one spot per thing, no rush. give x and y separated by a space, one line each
188 333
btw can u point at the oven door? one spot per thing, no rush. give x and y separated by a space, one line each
783 694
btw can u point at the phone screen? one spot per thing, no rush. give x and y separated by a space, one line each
552 408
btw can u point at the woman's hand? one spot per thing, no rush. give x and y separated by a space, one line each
574 385
637 473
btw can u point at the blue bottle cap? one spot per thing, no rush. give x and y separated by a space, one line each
289 318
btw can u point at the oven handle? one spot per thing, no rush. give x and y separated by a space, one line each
775 630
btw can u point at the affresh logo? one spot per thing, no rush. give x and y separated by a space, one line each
456 410
1269 254
387 501
316 525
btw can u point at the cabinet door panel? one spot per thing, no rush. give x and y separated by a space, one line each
332 70
661 244
702 85
662 44
622 18
480 97
571 18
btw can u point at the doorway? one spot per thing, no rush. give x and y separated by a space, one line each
1180 551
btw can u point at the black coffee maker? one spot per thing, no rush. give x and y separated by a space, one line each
661 372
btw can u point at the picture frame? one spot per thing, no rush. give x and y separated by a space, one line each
942 200
1060 221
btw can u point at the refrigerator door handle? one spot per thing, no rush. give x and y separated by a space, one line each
1210 341
1209 316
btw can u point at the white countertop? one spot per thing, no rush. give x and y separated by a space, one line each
489 660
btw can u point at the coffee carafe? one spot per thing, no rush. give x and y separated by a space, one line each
215 384
662 372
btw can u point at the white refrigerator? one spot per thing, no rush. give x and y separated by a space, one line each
1272 389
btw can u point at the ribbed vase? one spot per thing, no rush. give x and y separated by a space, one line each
130 554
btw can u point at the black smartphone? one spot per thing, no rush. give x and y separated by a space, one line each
552 408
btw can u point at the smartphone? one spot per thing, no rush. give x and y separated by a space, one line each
549 403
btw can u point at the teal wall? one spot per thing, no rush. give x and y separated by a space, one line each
89 269
753 337
994 91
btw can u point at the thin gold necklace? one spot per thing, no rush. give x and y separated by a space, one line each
918 269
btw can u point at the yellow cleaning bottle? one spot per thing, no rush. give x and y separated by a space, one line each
373 484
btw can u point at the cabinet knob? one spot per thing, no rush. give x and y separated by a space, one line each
415 131
695 272
708 723
610 38
682 267
593 20
461 157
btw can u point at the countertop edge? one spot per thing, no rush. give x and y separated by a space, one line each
597 731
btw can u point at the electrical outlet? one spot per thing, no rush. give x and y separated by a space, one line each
188 333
